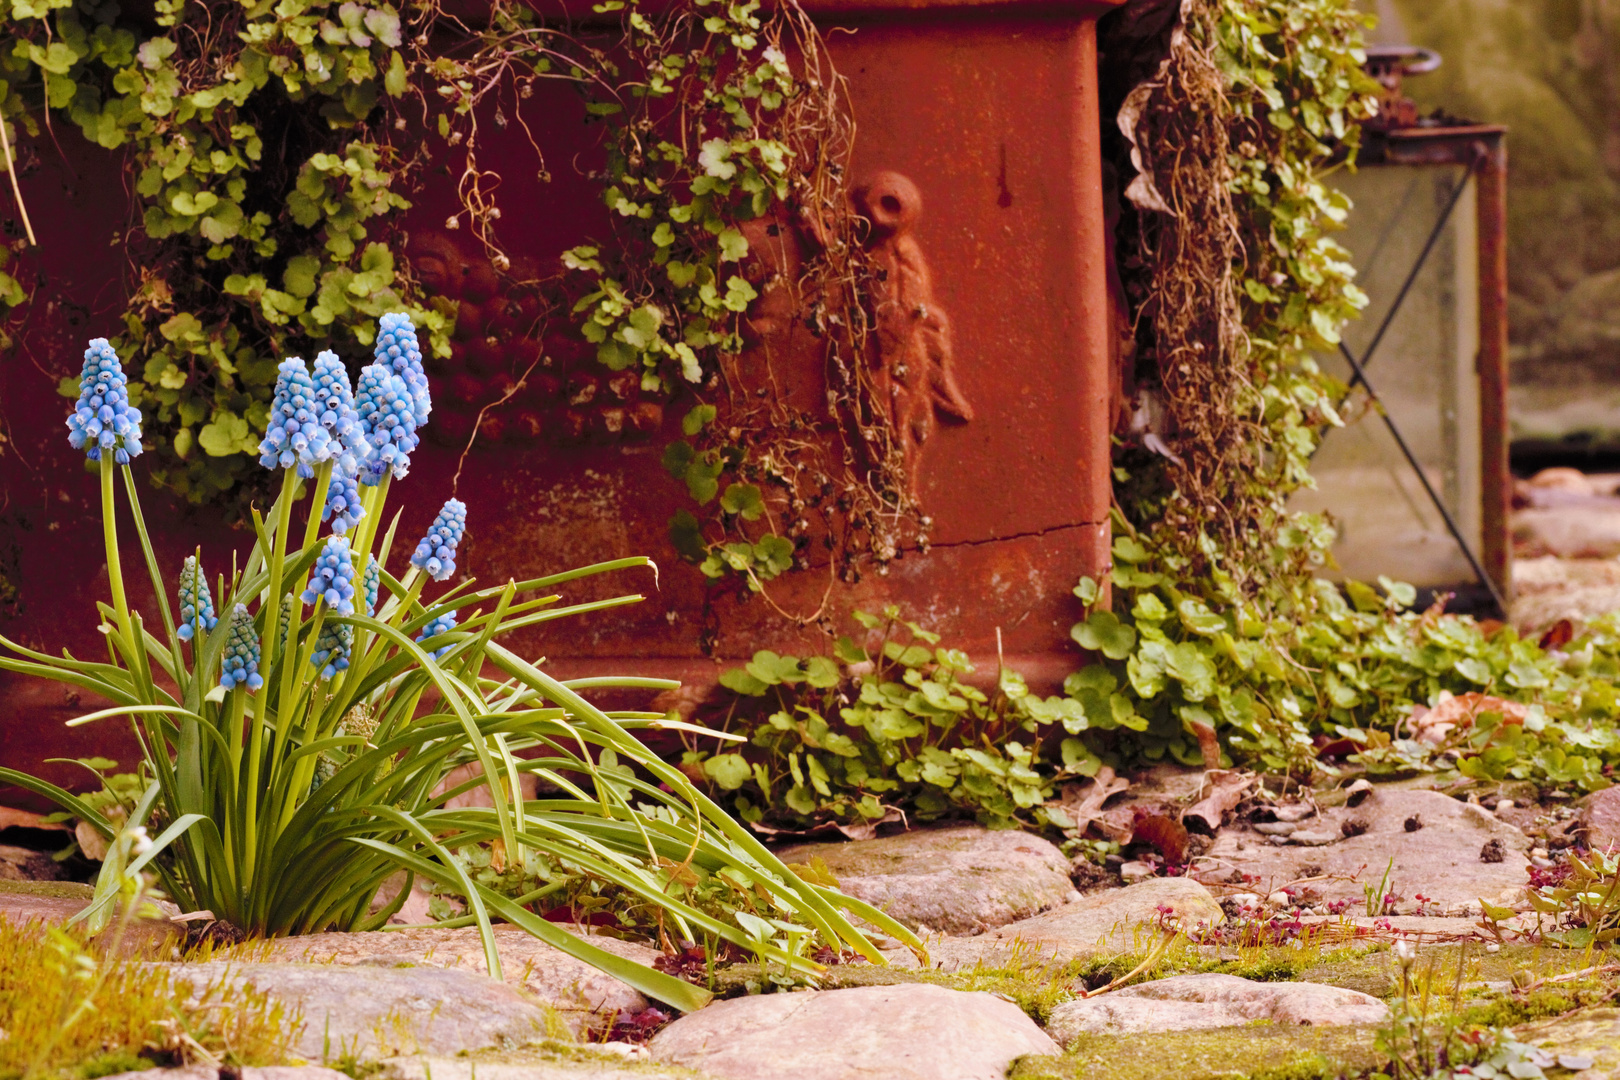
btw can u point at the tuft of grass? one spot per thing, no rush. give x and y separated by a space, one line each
72 1010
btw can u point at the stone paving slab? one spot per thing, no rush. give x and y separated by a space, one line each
957 880
585 1063
1111 920
1192 1002
579 992
1591 1032
1440 858
55 902
382 1011
917 1032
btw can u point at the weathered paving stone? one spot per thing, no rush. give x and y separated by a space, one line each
384 1011
1190 1002
1113 920
1593 1033
1109 918
1599 821
580 993
547 1062
207 1072
956 880
52 903
915 1032
1441 859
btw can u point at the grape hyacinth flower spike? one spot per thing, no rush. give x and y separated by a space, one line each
295 436
389 422
103 418
397 347
332 577
282 622
443 624
370 581
436 552
240 664
338 416
196 602
331 653
342 507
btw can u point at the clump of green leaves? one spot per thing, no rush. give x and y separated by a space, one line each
889 723
1270 92
1585 906
892 725
269 177
1350 664
672 291
718 153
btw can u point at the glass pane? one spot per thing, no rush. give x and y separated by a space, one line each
1423 370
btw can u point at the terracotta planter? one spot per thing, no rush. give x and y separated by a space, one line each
978 158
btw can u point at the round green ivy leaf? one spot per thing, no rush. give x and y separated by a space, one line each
1103 632
730 771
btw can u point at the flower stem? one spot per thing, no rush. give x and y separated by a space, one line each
267 637
115 572
323 481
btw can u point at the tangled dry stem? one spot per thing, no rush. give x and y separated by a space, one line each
1194 332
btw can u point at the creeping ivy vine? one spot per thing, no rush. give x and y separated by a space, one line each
265 189
726 179
272 148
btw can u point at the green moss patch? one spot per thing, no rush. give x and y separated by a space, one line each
56 890
1255 1053
72 1012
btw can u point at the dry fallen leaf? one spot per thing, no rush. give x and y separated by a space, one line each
1208 745
1164 832
1451 712
12 818
1226 789
864 830
1558 635
1082 801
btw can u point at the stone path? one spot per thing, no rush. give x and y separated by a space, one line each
1191 1002
579 994
916 1032
961 880
998 911
365 1011
1435 841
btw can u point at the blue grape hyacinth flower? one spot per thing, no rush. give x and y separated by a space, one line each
342 507
389 422
331 653
241 661
370 581
295 436
196 602
397 347
436 552
443 624
338 416
332 577
103 418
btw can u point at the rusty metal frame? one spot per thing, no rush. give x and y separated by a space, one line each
1482 149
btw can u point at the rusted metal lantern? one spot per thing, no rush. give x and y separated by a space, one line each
1422 492
978 161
